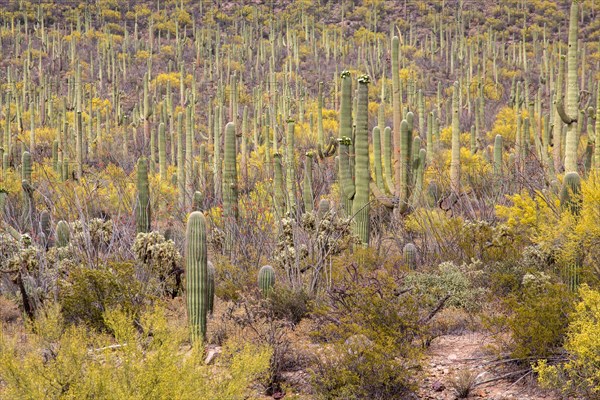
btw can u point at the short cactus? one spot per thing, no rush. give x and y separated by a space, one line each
266 279
570 193
63 234
410 256
197 200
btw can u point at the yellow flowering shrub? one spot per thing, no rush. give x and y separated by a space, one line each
579 374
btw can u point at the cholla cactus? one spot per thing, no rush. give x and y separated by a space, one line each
162 259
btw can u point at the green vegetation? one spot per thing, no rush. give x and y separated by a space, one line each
319 188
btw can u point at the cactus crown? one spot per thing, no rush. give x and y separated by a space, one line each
345 74
345 140
364 79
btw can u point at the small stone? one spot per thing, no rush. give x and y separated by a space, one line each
438 386
212 354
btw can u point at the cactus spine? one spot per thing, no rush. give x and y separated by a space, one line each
197 279
143 209
266 279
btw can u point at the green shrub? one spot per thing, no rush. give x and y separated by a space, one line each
460 282
153 362
85 294
369 329
289 304
580 373
536 317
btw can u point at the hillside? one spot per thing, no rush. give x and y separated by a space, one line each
361 199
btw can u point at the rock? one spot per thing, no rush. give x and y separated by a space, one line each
211 354
438 386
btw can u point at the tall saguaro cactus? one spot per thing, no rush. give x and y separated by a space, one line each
360 204
345 141
397 114
230 193
455 160
142 209
162 152
197 279
570 112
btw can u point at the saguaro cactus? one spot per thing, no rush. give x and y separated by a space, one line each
197 275
230 195
345 141
162 152
26 166
571 192
63 235
498 155
569 112
455 160
143 209
360 204
409 253
266 279
307 190
211 287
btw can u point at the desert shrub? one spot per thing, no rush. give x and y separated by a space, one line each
153 362
253 319
460 284
289 304
85 294
536 316
370 327
230 279
579 373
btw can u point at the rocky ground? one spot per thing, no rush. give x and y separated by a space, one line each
459 361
